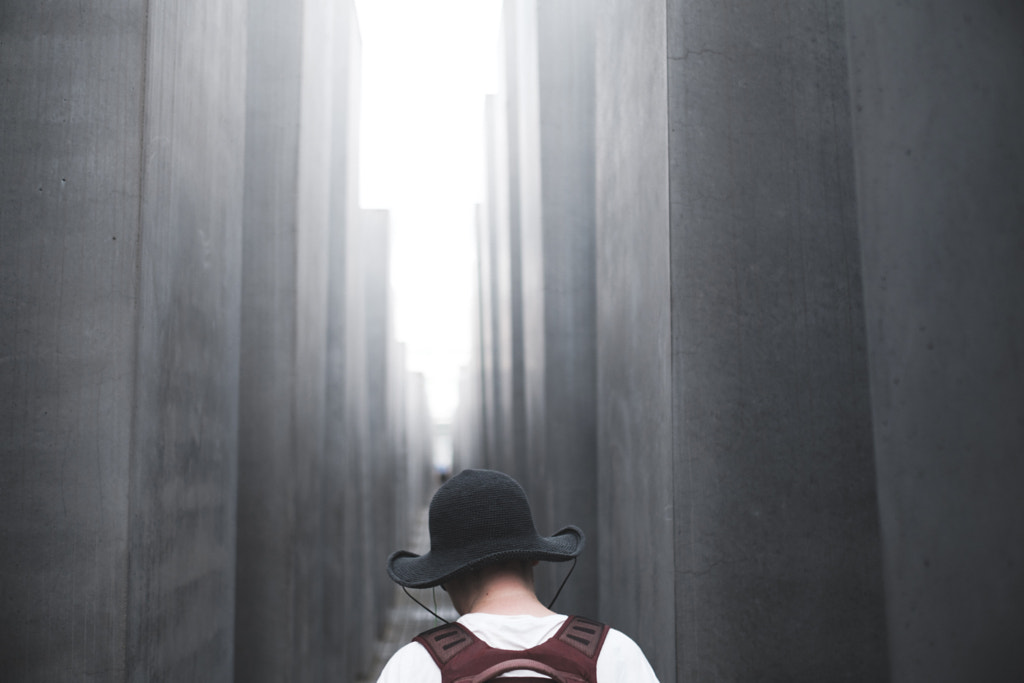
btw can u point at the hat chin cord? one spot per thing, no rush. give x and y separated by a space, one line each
436 615
562 585
439 617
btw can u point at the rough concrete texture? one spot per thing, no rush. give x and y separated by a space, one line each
507 234
345 506
122 278
417 463
748 478
470 443
184 450
775 485
555 105
467 444
493 275
375 228
69 236
635 531
265 613
940 177
314 433
166 370
521 89
305 521
280 577
398 438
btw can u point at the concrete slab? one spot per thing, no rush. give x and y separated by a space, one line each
550 97
470 447
512 122
730 345
184 450
346 477
297 552
775 476
494 275
265 612
939 148
636 530
127 453
384 501
69 226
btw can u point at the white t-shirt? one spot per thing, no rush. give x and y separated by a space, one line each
620 659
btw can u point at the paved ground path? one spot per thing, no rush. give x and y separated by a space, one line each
405 617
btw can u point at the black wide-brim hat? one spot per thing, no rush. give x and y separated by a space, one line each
477 518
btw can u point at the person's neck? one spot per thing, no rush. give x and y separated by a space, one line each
506 595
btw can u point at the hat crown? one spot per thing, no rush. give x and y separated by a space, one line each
479 506
476 518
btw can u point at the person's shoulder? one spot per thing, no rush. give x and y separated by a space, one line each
622 659
619 643
411 664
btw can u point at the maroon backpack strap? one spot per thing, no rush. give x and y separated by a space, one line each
444 642
571 655
584 635
493 672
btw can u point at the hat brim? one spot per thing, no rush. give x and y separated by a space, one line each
436 567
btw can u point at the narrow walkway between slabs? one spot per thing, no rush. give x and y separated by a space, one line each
405 617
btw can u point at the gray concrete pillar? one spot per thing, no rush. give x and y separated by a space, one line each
267 486
349 605
634 382
184 466
419 447
471 448
121 218
375 226
736 475
296 466
67 334
508 243
556 151
494 274
938 106
399 443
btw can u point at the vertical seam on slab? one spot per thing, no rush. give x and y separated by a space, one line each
291 633
675 402
133 438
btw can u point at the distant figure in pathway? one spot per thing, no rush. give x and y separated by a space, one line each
483 547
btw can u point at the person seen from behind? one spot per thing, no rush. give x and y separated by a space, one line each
483 547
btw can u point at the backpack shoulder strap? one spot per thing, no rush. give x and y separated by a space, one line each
446 641
571 655
583 635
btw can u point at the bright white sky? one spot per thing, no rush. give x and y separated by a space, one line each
426 69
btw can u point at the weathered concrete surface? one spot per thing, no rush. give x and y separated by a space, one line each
940 177
265 583
470 446
556 150
635 532
384 502
493 275
419 449
313 431
521 86
507 235
774 466
398 438
345 506
184 449
157 359
122 281
303 485
69 236
731 358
